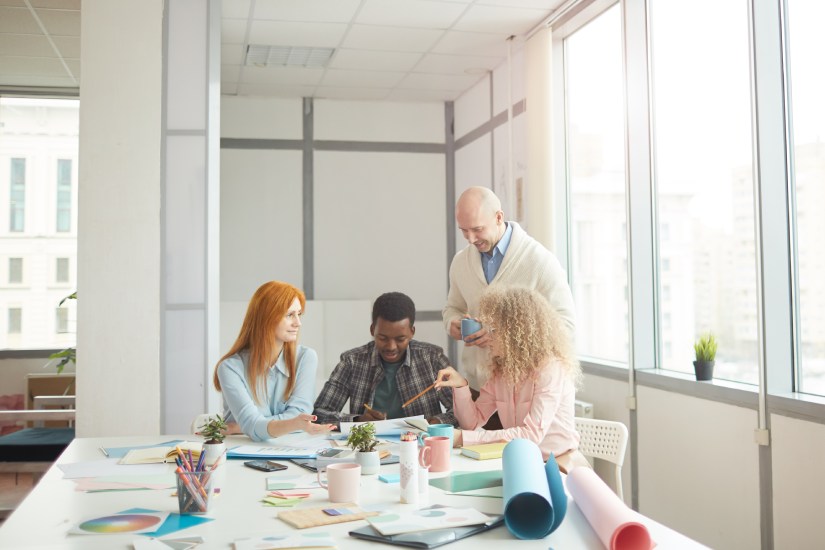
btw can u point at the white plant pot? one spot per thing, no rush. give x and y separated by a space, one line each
213 452
370 462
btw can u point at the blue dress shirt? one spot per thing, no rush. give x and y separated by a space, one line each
490 262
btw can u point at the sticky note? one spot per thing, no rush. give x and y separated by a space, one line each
390 478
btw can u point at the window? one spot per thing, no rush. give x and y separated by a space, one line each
15 320
15 270
61 274
806 41
62 320
38 156
64 195
595 142
704 184
17 194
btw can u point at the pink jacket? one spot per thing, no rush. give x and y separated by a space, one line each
540 409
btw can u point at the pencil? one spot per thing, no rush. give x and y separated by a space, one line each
368 407
410 400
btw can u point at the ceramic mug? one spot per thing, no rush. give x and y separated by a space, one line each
343 481
435 454
469 326
445 430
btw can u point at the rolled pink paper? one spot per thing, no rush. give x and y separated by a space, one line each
617 526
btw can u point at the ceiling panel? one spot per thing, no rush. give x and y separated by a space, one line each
374 60
391 39
402 50
329 11
410 13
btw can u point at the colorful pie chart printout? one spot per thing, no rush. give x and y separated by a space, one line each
121 523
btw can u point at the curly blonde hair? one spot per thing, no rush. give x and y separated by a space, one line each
529 332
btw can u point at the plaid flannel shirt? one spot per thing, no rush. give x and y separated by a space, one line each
360 371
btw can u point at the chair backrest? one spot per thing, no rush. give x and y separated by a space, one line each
606 440
603 439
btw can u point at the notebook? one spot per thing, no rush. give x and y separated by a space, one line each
259 451
428 539
484 451
312 464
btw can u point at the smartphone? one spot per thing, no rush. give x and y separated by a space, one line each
265 465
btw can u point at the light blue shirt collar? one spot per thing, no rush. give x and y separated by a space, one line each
490 262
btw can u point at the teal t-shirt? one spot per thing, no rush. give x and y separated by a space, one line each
387 399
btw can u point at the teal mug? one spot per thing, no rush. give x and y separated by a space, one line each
469 326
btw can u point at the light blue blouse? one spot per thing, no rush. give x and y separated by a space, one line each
253 418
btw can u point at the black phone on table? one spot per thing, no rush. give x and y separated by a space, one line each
265 465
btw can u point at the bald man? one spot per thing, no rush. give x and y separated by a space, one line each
499 253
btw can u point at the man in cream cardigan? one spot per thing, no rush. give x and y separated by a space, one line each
499 253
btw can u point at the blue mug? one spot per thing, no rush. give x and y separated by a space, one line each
444 430
469 326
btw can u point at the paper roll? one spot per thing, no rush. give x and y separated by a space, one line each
617 526
530 510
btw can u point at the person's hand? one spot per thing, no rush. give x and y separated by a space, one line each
305 422
481 338
232 428
371 415
434 420
455 329
458 439
449 378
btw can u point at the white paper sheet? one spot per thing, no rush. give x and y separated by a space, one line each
110 467
394 426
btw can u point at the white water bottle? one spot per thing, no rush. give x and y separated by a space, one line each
408 463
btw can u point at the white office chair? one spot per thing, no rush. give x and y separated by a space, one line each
606 440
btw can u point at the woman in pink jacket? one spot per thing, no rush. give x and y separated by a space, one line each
533 378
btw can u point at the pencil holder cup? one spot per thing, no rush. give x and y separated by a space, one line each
194 491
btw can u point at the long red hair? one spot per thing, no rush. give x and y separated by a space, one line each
267 308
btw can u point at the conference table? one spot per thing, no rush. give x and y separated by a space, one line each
54 507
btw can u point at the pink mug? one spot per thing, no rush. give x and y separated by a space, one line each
435 454
343 481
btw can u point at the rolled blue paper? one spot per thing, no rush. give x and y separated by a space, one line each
528 506
558 497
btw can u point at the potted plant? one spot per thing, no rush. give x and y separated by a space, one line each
705 348
213 432
362 439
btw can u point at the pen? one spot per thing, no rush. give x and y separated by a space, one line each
199 467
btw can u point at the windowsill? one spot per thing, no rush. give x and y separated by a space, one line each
795 405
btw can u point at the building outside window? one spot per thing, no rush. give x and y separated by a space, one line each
15 271
38 174
61 274
17 195
595 150
806 43
704 184
64 195
15 320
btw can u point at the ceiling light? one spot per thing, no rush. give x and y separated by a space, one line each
287 56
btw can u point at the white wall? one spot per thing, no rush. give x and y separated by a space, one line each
798 448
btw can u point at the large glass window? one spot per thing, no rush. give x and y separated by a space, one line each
17 195
64 195
704 184
806 44
38 156
595 148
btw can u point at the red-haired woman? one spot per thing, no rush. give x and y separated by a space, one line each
267 379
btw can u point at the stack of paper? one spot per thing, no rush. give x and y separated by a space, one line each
426 520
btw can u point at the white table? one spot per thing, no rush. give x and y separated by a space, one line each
43 519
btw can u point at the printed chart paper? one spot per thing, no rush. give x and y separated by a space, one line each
426 520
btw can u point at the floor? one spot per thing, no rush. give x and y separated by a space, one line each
13 489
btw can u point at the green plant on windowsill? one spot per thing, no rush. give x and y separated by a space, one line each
68 355
705 348
362 437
